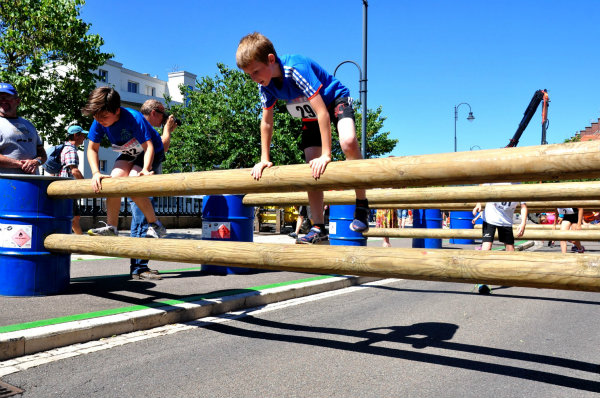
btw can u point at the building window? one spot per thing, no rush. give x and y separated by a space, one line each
103 75
103 165
151 91
132 87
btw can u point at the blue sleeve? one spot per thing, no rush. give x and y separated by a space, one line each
96 132
305 78
266 98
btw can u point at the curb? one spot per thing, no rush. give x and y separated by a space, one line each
31 341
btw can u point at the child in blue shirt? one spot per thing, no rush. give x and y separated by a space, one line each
316 97
140 147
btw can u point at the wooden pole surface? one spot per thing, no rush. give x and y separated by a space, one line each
439 233
566 191
550 226
534 163
538 270
537 205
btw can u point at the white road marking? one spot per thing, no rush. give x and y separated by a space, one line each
41 358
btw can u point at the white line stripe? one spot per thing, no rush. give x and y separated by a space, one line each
29 361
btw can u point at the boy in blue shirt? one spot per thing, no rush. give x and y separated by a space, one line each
141 152
316 97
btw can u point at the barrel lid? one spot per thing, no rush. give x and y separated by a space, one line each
32 177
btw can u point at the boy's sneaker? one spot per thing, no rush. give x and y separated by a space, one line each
574 249
484 289
145 273
314 236
361 219
293 235
156 230
107 230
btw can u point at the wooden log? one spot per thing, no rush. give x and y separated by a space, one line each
538 270
566 191
439 233
534 163
531 206
549 226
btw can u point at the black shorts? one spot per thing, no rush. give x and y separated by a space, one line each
340 109
138 160
505 234
572 218
302 211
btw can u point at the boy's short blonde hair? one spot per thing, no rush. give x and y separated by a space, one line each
254 47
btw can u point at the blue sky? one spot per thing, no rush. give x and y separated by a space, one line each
423 57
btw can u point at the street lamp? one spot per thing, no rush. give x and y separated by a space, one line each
363 100
363 81
469 118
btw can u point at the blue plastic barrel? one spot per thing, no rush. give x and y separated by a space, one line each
433 219
461 220
224 217
27 216
418 222
340 234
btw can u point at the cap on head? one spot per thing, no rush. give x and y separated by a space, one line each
8 88
76 129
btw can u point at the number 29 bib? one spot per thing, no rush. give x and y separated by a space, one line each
300 107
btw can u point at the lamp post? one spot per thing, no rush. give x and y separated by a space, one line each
363 101
362 82
469 118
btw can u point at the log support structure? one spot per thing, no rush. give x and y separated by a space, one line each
537 270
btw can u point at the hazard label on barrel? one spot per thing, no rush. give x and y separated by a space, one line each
216 230
15 236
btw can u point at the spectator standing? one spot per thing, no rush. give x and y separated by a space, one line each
570 221
21 148
386 218
69 159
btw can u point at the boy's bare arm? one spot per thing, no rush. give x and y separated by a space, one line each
266 134
319 164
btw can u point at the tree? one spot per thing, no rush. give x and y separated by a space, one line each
378 143
221 126
46 53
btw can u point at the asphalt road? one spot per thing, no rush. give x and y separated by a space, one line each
399 338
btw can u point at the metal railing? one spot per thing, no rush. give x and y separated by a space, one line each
163 206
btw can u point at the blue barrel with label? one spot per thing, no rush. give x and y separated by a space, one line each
340 234
461 220
418 222
224 217
27 216
433 219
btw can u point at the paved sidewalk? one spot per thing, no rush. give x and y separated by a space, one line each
102 301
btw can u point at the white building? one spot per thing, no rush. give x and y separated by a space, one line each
134 88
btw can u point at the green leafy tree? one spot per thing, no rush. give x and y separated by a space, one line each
47 54
378 142
221 126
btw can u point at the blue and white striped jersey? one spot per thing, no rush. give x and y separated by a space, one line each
303 78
